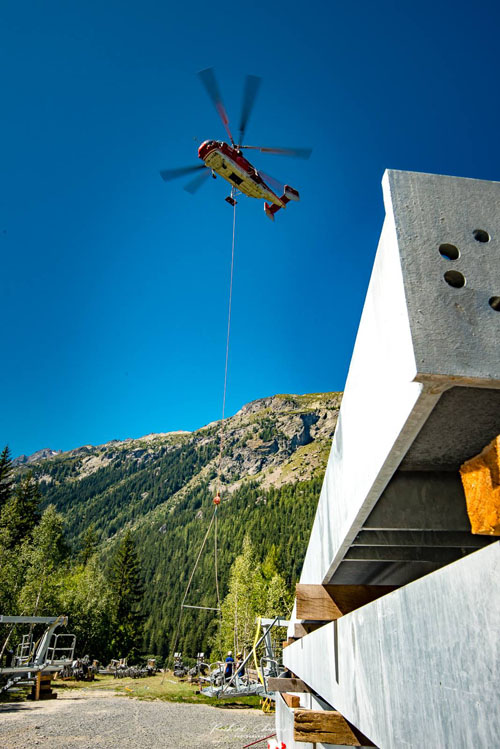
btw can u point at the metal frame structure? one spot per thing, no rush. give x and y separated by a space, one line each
237 686
45 655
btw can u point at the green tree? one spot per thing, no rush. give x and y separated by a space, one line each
128 592
270 563
20 513
89 543
242 603
85 596
45 554
277 598
5 476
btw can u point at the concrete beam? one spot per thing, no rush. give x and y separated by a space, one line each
425 359
419 667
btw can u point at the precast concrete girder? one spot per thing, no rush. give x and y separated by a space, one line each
419 667
423 390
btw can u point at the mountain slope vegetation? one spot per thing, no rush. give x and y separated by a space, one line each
159 490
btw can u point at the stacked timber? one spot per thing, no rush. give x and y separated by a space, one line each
42 688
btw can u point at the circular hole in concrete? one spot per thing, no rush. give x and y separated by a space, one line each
480 235
454 278
494 303
449 251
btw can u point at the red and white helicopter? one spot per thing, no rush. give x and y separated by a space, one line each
227 161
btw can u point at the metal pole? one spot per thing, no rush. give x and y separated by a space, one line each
249 655
205 608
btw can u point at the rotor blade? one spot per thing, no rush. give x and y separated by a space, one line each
252 83
298 153
197 182
209 80
273 183
168 174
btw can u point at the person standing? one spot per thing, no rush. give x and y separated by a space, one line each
228 671
240 668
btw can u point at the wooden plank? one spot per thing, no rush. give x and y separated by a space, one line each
303 628
315 602
329 602
292 700
287 685
288 642
38 681
326 727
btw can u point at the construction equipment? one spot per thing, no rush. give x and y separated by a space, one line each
81 669
243 682
180 669
199 672
47 655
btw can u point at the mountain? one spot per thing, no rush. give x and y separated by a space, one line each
269 469
42 454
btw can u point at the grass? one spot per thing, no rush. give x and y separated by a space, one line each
158 687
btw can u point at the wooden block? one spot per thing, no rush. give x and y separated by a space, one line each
303 628
326 727
38 680
288 642
292 700
481 481
329 602
287 685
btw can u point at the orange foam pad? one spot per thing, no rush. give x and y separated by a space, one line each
481 482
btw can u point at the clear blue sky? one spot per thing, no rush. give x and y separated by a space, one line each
113 284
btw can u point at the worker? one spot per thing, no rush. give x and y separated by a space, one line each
228 671
240 668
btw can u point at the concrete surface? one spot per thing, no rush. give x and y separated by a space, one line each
419 667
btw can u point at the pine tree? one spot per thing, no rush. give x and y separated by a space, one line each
5 476
128 593
89 543
20 513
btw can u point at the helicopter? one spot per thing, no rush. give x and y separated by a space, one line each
227 160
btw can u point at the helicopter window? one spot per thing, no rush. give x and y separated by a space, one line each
234 177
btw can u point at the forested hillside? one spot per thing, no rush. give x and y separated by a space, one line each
159 491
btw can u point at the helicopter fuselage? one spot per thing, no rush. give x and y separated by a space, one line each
230 164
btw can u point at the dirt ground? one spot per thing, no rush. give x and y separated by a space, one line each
88 719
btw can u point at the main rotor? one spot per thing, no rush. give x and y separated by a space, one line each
250 91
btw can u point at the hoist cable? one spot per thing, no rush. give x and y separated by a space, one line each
214 516
215 562
223 425
176 640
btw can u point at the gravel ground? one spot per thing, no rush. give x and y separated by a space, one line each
95 719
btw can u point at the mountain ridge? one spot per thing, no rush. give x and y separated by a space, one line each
161 487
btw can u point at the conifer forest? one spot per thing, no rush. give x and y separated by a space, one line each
109 535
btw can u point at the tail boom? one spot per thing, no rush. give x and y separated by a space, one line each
288 195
